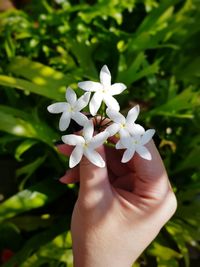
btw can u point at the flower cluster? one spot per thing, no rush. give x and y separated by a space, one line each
132 136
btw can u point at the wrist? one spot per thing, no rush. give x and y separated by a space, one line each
93 256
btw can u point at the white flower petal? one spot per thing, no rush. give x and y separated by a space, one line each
105 76
117 88
135 129
115 116
124 133
76 156
98 139
136 138
133 114
70 96
119 145
80 118
90 86
128 154
94 157
111 102
64 121
95 103
82 101
88 131
127 141
113 129
147 136
72 139
143 152
58 107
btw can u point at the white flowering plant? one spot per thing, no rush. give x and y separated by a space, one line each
132 136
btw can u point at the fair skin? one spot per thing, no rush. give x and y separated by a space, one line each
120 208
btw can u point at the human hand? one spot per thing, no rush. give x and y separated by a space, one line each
120 208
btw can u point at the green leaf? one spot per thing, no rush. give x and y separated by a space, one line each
177 233
186 100
9 47
20 123
138 70
28 170
58 249
32 198
16 126
10 236
32 222
46 77
23 147
191 161
37 241
163 252
189 69
83 53
27 86
167 263
136 264
160 14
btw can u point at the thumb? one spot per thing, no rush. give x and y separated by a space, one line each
94 183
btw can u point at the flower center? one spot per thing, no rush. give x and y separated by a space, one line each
104 90
85 146
123 125
70 109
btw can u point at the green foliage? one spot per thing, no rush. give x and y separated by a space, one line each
150 45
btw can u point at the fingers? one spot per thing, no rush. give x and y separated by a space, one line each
150 177
65 149
114 157
94 182
71 176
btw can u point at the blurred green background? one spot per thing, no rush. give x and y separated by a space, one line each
154 48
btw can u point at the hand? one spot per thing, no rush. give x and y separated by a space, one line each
120 208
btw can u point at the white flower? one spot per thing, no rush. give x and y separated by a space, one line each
86 145
125 126
134 144
104 91
71 109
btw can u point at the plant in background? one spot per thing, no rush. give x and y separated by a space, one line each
151 46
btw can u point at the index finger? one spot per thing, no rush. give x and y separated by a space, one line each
65 149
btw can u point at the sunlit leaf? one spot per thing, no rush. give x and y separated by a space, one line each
25 85
32 198
23 147
40 75
162 252
177 234
20 123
